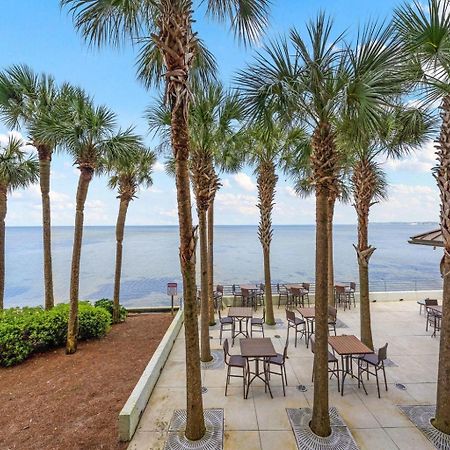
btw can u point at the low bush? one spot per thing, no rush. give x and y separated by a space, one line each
108 305
27 330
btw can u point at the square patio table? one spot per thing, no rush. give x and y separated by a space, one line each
250 287
309 314
437 315
347 346
256 349
294 285
240 313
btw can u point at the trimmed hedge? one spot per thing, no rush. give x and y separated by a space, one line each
109 304
27 330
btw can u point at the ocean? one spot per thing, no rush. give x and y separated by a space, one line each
151 260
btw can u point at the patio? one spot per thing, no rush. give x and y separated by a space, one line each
262 423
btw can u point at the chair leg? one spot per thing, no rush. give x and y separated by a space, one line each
337 376
262 329
285 374
378 384
282 382
384 374
220 335
228 380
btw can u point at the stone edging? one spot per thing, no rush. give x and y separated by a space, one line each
131 412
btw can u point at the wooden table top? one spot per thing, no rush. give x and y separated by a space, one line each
348 345
240 311
294 286
341 285
308 313
250 287
257 348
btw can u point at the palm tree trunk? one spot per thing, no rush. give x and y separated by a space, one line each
3 208
210 220
364 252
120 228
323 161
267 180
205 354
320 423
177 44
331 203
45 157
82 191
195 424
442 174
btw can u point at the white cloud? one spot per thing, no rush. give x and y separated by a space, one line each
245 182
291 191
4 138
423 160
230 205
225 183
158 167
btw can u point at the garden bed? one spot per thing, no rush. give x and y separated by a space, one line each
55 401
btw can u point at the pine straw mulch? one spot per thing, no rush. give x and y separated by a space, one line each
56 401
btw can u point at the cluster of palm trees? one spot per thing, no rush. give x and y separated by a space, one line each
65 118
325 109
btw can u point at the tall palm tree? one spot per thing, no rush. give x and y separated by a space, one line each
401 130
425 34
316 81
17 171
87 133
170 48
24 99
212 131
127 175
267 145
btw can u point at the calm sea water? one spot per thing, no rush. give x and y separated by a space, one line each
151 260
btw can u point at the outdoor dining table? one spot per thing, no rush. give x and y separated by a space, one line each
294 286
348 346
257 349
249 287
309 314
239 314
437 315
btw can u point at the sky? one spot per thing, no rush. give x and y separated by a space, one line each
38 33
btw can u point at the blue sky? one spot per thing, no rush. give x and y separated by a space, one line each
40 34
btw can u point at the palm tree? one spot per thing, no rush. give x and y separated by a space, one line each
87 133
170 48
17 171
425 35
267 145
127 175
317 82
212 132
401 130
24 99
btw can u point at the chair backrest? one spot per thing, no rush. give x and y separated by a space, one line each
219 288
285 352
306 286
332 313
382 352
339 289
431 302
245 292
290 316
352 285
226 348
311 343
262 287
296 291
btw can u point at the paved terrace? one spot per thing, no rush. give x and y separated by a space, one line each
262 423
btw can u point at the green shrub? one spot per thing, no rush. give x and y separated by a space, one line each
108 305
27 330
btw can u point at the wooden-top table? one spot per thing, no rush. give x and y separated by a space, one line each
347 346
309 314
257 348
249 287
240 313
294 286
436 308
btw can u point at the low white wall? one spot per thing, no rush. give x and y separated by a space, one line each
137 401
377 296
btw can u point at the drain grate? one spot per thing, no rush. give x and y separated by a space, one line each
400 386
339 439
204 389
421 416
302 388
212 440
217 361
277 336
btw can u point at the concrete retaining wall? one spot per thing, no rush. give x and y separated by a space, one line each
137 401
